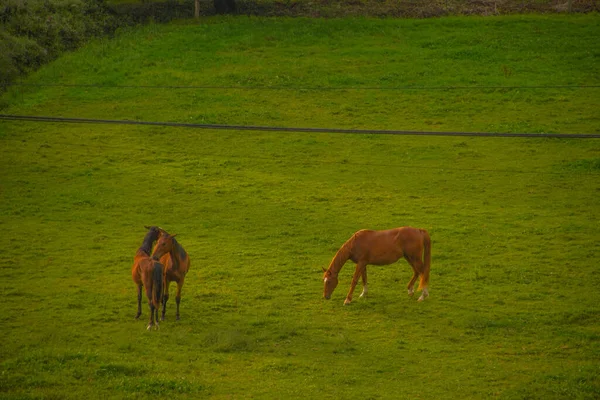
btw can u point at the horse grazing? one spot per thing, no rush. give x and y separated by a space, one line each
141 256
176 262
368 247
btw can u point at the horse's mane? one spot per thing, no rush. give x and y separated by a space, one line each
149 239
179 250
342 255
178 253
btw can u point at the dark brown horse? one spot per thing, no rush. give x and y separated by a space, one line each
148 273
176 262
367 247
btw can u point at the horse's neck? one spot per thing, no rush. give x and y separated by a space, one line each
147 245
340 258
178 254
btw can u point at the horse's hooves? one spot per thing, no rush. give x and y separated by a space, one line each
149 327
177 318
411 293
422 298
347 302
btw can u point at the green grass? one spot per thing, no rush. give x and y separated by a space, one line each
508 51
513 311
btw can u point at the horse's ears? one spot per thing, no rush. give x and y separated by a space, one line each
147 227
323 268
173 235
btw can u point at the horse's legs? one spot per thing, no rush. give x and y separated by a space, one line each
178 295
150 305
156 317
151 321
153 317
364 281
357 273
411 283
417 266
165 299
139 299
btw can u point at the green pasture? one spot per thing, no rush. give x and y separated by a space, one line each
513 311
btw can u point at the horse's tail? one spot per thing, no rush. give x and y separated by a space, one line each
424 283
157 284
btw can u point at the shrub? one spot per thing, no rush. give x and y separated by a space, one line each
18 55
37 31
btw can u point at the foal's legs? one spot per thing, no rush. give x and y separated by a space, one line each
139 299
360 267
364 281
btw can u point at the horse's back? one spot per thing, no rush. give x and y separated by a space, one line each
412 239
375 247
385 237
145 268
401 233
408 232
385 246
136 269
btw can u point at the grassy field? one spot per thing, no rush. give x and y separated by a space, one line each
514 307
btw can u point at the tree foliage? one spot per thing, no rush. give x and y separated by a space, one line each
224 6
33 32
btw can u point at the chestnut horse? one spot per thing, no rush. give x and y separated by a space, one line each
176 262
148 273
368 247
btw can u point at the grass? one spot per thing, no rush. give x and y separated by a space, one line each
515 51
513 311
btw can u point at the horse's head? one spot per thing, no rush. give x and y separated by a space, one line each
153 232
165 244
330 281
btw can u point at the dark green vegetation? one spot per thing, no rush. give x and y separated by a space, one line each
35 32
345 8
514 307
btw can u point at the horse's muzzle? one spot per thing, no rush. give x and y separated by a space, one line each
327 297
